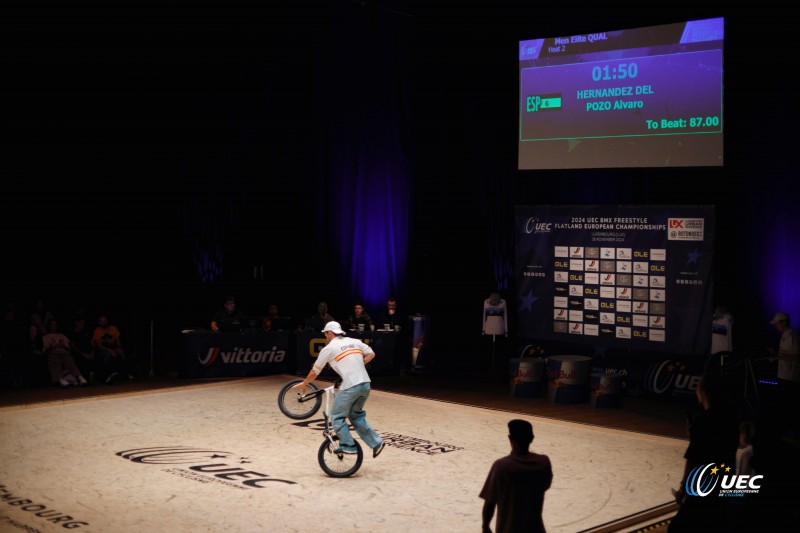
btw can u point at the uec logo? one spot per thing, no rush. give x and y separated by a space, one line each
698 484
535 225
702 480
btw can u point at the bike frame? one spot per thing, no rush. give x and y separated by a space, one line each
328 432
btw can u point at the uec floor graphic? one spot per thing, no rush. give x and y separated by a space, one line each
224 458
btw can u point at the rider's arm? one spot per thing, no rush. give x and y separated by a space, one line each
309 378
368 356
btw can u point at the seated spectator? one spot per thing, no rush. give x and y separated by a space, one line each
390 315
41 317
108 347
34 364
227 317
272 314
83 351
62 367
34 341
15 360
318 321
360 319
273 321
11 334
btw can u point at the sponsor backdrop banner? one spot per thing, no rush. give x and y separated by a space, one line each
630 277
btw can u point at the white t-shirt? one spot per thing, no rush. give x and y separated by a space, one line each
346 358
722 334
55 342
743 458
790 344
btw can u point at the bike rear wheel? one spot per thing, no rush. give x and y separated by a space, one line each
338 464
299 406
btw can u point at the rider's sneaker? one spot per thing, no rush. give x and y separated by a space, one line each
376 451
350 450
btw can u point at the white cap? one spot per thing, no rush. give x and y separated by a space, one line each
780 316
334 327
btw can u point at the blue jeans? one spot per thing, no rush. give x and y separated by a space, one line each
112 363
349 404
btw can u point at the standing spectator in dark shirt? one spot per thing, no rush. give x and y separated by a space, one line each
788 357
713 441
516 485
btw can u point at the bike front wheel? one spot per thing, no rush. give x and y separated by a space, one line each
299 406
338 464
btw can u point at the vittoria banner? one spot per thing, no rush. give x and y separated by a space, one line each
212 354
633 277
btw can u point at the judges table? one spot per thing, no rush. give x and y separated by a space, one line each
215 354
386 344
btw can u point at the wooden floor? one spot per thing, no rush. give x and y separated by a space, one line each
644 415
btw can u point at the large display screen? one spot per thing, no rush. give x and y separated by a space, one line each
641 97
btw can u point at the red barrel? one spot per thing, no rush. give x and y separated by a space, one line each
568 378
526 376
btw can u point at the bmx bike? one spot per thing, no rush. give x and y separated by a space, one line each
299 406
